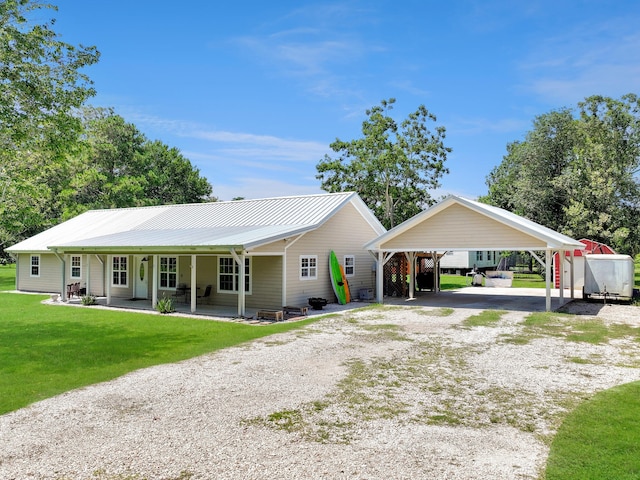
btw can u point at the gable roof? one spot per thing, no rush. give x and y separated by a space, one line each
219 225
502 230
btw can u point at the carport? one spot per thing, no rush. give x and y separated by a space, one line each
458 223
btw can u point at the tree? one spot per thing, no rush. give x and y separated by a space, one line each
392 167
577 174
118 167
41 84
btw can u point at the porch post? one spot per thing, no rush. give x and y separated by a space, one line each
154 280
241 295
194 292
109 277
88 282
64 277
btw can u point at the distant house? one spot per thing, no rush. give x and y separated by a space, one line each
461 262
252 253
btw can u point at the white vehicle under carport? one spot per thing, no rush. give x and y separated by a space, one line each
608 277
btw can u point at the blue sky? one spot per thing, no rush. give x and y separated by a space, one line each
253 92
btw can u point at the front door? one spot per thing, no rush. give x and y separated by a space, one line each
142 277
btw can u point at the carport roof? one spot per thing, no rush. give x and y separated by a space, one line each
458 223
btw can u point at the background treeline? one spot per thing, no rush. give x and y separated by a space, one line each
60 157
576 171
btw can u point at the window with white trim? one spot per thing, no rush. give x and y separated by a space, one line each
229 275
168 269
349 265
76 266
35 266
308 267
119 271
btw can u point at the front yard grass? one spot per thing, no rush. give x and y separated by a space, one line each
599 439
46 350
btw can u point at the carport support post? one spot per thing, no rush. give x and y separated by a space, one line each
572 274
547 258
561 273
380 277
411 258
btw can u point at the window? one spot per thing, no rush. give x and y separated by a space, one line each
308 267
349 265
119 269
229 275
35 265
479 256
76 266
168 272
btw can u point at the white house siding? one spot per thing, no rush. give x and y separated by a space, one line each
49 281
457 227
345 233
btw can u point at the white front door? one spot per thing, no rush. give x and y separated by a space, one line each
141 274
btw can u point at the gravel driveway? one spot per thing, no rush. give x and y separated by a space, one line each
385 393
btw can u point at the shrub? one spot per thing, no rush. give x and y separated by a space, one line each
165 305
89 300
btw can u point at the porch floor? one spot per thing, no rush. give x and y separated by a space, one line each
205 311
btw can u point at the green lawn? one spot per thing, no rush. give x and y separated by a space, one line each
520 280
7 277
599 439
46 350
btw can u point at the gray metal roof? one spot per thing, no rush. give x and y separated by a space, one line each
241 223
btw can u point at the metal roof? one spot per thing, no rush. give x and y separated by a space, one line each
552 238
240 223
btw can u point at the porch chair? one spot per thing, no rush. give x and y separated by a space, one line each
206 294
73 289
181 292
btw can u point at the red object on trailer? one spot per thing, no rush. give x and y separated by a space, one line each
591 247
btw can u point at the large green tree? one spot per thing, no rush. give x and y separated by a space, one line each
41 84
578 173
392 166
118 167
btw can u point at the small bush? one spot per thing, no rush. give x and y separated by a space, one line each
165 305
89 300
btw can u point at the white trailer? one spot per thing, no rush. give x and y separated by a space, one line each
608 277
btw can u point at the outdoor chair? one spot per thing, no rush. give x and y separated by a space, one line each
181 292
206 294
73 289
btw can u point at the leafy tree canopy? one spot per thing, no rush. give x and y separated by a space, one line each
41 84
119 167
392 166
578 174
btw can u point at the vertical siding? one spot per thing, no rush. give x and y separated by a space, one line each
345 233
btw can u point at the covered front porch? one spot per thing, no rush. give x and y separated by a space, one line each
203 283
